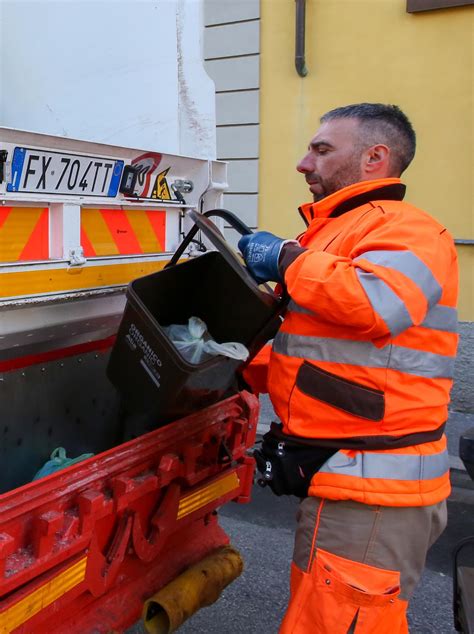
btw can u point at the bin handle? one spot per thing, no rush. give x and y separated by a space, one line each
204 224
235 222
230 217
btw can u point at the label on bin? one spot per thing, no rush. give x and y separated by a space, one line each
150 360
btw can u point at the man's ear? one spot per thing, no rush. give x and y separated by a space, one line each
377 159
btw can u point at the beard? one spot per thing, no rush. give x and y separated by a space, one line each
345 175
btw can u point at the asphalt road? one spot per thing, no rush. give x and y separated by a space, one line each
263 532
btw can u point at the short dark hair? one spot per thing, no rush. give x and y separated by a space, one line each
382 123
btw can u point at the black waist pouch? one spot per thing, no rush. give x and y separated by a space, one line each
287 463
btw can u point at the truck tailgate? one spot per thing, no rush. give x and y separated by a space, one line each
81 549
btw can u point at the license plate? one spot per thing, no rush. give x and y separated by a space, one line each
38 171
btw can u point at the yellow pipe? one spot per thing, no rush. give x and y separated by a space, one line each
197 587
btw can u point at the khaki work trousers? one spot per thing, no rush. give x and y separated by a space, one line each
355 566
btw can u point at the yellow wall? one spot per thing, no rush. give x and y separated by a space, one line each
372 50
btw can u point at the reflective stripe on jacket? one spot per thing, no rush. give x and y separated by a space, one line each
405 477
368 343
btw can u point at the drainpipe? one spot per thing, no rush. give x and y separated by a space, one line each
300 62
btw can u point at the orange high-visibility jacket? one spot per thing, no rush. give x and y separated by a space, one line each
364 358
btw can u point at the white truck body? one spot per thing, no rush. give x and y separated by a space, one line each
119 72
126 78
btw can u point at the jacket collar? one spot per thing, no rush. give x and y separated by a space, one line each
353 196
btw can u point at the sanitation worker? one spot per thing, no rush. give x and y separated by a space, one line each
362 363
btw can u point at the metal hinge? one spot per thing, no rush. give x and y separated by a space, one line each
76 257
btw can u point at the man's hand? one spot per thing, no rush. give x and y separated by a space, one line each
261 252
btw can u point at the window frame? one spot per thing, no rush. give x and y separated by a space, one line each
415 6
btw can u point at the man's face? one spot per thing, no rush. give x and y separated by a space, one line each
334 158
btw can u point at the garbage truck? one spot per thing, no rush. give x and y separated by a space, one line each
107 142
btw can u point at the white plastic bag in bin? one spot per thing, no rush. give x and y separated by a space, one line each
196 345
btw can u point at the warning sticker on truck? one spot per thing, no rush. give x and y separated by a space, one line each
43 172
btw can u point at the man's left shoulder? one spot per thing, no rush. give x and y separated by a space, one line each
403 211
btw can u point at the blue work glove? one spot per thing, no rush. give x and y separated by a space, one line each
261 252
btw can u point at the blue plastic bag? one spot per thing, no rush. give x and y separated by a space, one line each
59 460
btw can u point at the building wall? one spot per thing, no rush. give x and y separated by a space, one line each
369 50
231 53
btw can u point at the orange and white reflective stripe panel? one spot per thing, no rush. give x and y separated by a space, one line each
122 232
24 234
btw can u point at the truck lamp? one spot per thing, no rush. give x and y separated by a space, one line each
182 186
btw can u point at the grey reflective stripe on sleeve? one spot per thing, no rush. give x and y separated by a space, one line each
385 302
410 265
364 353
388 466
296 308
438 317
441 318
